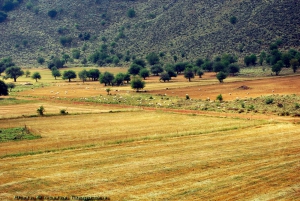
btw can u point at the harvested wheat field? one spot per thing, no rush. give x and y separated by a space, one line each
171 157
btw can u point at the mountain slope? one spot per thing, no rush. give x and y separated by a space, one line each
189 28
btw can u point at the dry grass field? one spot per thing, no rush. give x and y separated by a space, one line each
126 152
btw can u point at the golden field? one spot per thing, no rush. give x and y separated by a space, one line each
137 153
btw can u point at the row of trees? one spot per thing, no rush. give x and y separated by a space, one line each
224 65
106 78
275 58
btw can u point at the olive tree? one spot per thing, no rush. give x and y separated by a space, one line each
69 74
137 84
36 76
14 72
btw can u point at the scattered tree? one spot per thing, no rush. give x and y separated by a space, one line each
156 69
208 66
10 86
36 76
276 68
66 58
69 74
106 78
165 77
75 53
56 62
94 74
200 73
134 69
140 62
55 72
3 89
137 84
27 73
233 69
188 74
127 77
152 58
218 66
295 64
221 76
83 75
14 72
144 73
286 58
119 78
40 60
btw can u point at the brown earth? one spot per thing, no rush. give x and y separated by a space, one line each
238 89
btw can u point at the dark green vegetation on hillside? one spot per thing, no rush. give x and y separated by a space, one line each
184 30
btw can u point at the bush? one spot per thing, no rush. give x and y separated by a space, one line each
65 40
52 13
40 60
63 111
76 54
41 110
269 100
3 16
131 13
219 97
233 20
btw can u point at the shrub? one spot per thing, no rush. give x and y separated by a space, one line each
76 54
269 100
219 97
52 13
187 97
131 13
41 110
233 19
63 111
40 60
65 40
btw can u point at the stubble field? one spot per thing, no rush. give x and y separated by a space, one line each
136 153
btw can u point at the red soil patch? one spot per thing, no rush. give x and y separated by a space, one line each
233 90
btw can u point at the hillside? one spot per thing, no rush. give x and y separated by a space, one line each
187 29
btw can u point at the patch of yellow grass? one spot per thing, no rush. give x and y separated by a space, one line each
225 162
